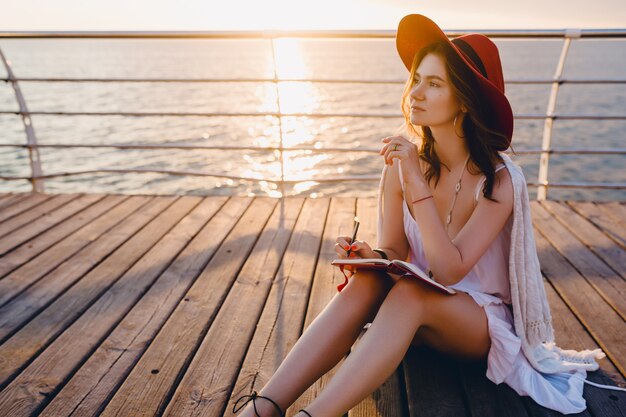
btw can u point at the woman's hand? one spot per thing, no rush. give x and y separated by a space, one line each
358 249
398 147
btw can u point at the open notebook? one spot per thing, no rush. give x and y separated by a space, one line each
395 266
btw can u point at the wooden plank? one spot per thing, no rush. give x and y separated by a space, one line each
68 271
605 281
433 385
17 351
146 389
339 218
562 316
20 204
33 387
388 399
24 304
537 410
24 253
50 219
5 197
95 382
218 359
606 219
600 320
285 306
592 237
10 199
121 356
570 334
616 209
616 212
26 217
486 399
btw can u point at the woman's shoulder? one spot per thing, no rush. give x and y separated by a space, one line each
503 189
515 171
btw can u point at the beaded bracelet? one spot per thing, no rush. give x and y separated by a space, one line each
422 199
381 253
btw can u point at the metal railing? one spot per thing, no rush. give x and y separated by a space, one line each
37 176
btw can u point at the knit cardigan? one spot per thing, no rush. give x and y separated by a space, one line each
531 312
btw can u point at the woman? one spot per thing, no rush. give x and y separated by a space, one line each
452 208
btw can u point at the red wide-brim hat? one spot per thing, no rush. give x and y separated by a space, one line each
416 31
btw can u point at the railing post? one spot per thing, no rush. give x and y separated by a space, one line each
31 139
546 143
280 120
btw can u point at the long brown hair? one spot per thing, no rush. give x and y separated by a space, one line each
483 141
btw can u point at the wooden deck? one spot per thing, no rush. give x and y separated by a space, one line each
119 305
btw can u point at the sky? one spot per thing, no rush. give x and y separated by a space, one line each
208 15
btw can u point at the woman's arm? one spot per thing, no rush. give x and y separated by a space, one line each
451 260
393 240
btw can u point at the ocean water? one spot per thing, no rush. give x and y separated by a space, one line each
325 58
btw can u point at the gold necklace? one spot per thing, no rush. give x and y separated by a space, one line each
457 188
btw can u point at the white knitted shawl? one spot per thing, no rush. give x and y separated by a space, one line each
531 312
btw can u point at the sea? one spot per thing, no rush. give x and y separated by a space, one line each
343 59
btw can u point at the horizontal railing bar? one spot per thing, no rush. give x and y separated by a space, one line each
312 80
614 151
195 147
191 147
196 174
187 114
205 80
495 33
574 151
568 81
311 115
601 185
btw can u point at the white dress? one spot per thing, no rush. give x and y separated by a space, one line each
488 284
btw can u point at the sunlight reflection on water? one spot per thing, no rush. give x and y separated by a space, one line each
295 58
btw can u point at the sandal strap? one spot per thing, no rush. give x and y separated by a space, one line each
304 411
253 397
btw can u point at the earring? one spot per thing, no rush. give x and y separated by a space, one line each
454 124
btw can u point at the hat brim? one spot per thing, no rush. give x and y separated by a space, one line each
416 31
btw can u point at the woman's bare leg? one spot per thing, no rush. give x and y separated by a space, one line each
324 342
408 306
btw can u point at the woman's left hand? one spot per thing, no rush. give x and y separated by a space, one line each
398 147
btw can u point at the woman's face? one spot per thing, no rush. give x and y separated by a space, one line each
433 102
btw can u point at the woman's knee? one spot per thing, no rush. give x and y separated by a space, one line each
408 293
365 292
369 282
410 285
